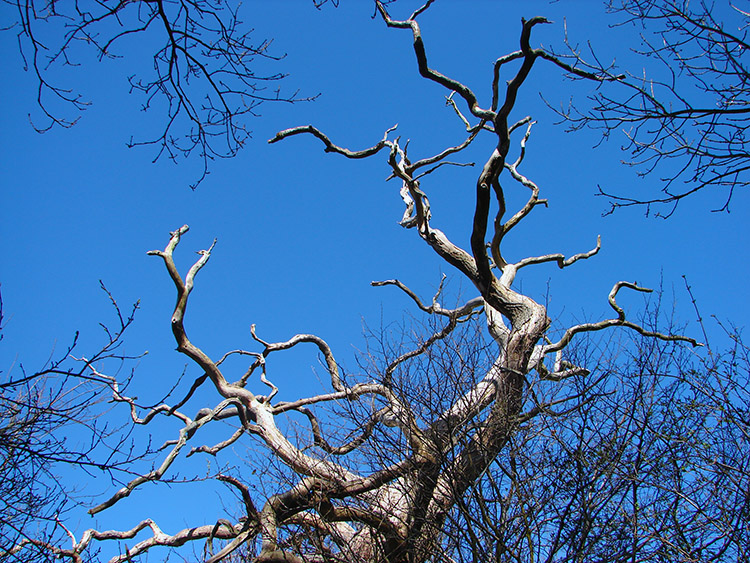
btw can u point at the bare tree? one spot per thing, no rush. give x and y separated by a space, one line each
401 462
209 74
51 418
644 459
686 114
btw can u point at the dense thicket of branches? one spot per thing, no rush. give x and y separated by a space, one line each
648 462
489 434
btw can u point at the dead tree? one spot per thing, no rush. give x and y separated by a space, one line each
341 503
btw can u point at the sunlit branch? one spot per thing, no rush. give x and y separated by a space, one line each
349 393
440 164
332 366
213 450
152 412
159 538
619 321
330 147
435 307
183 291
185 434
438 158
562 262
449 101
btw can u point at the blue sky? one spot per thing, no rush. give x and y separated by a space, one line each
302 233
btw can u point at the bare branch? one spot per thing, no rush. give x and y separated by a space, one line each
332 366
692 108
435 307
185 434
425 70
207 74
619 321
562 262
330 147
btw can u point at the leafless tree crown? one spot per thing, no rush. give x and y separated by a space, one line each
430 453
207 69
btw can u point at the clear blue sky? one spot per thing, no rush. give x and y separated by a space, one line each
302 233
